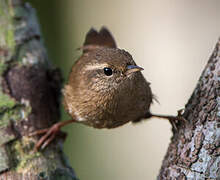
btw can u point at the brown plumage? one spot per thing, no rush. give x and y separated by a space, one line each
102 101
106 88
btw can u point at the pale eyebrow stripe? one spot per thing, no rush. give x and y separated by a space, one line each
90 67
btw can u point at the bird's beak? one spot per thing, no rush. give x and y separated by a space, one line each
133 68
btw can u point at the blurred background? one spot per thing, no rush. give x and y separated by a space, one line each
171 39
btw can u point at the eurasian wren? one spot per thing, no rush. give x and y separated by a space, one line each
106 88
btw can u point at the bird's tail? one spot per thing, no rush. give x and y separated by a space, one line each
95 39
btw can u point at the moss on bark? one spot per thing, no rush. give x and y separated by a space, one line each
29 98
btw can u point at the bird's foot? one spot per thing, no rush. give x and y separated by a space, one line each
179 116
49 134
173 119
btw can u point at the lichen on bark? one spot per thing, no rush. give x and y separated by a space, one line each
29 98
194 151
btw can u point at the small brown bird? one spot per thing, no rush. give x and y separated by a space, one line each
106 88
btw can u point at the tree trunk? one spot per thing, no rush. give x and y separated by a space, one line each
29 98
193 153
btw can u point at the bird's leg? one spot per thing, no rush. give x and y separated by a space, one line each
172 119
49 134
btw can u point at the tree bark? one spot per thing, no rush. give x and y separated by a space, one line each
29 98
194 151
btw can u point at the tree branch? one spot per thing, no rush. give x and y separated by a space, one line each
29 98
194 151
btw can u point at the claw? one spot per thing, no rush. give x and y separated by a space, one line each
173 119
173 125
48 141
48 137
49 134
38 132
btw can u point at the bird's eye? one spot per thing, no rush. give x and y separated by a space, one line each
108 71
